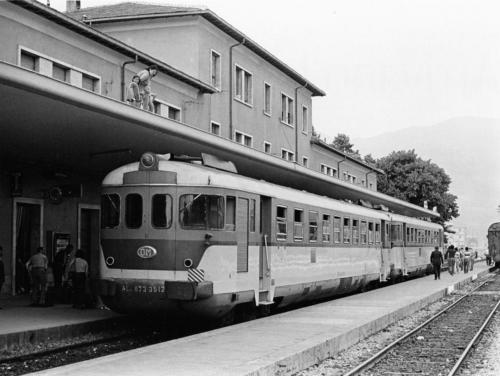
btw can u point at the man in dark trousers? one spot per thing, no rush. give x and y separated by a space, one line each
436 261
450 255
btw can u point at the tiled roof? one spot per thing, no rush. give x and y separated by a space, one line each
133 10
127 9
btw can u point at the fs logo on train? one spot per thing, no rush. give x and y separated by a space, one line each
146 251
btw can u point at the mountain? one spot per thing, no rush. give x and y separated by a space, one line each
468 149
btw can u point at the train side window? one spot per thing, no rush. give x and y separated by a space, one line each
110 210
197 211
281 233
133 210
408 232
161 211
370 232
313 226
326 234
336 229
347 230
377 233
298 225
230 213
363 232
355 231
252 215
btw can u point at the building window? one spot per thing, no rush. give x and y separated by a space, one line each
215 128
215 69
167 110
305 161
242 138
243 90
286 109
90 83
298 225
288 155
267 147
28 61
267 98
60 73
328 170
305 117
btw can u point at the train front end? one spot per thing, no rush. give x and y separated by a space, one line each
145 267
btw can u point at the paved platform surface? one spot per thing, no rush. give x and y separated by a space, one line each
20 323
281 344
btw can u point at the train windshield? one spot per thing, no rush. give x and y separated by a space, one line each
110 210
200 212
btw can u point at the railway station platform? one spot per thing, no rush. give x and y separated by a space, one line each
281 344
21 324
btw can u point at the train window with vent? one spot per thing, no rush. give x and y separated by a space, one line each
201 212
133 210
161 211
363 232
355 231
230 213
298 225
377 232
326 233
110 210
370 232
313 226
347 230
281 233
336 229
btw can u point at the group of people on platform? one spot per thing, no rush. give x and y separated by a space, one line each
64 279
139 90
458 260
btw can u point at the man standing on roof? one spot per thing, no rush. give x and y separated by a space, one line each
145 77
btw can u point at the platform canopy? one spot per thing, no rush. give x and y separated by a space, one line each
61 128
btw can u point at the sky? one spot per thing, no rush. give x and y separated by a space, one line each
384 64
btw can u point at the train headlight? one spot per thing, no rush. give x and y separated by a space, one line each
149 161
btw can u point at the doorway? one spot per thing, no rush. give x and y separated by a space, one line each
88 235
27 236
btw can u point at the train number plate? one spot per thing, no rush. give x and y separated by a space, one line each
144 289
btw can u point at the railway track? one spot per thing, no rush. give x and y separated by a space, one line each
440 345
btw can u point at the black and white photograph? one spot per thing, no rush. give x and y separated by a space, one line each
249 188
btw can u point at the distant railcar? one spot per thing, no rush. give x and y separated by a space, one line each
494 243
183 237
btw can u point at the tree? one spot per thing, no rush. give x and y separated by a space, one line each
410 178
343 143
370 160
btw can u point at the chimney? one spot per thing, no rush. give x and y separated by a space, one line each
72 5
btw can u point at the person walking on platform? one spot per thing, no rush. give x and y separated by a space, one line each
60 265
473 257
436 261
450 256
80 269
467 256
458 260
37 267
2 271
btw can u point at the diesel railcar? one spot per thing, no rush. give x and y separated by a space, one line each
193 236
494 243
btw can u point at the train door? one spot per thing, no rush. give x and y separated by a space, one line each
265 251
242 230
88 235
385 257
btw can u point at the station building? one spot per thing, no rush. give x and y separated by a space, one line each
65 124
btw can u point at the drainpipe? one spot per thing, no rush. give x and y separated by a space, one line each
297 121
231 87
366 176
338 166
123 76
